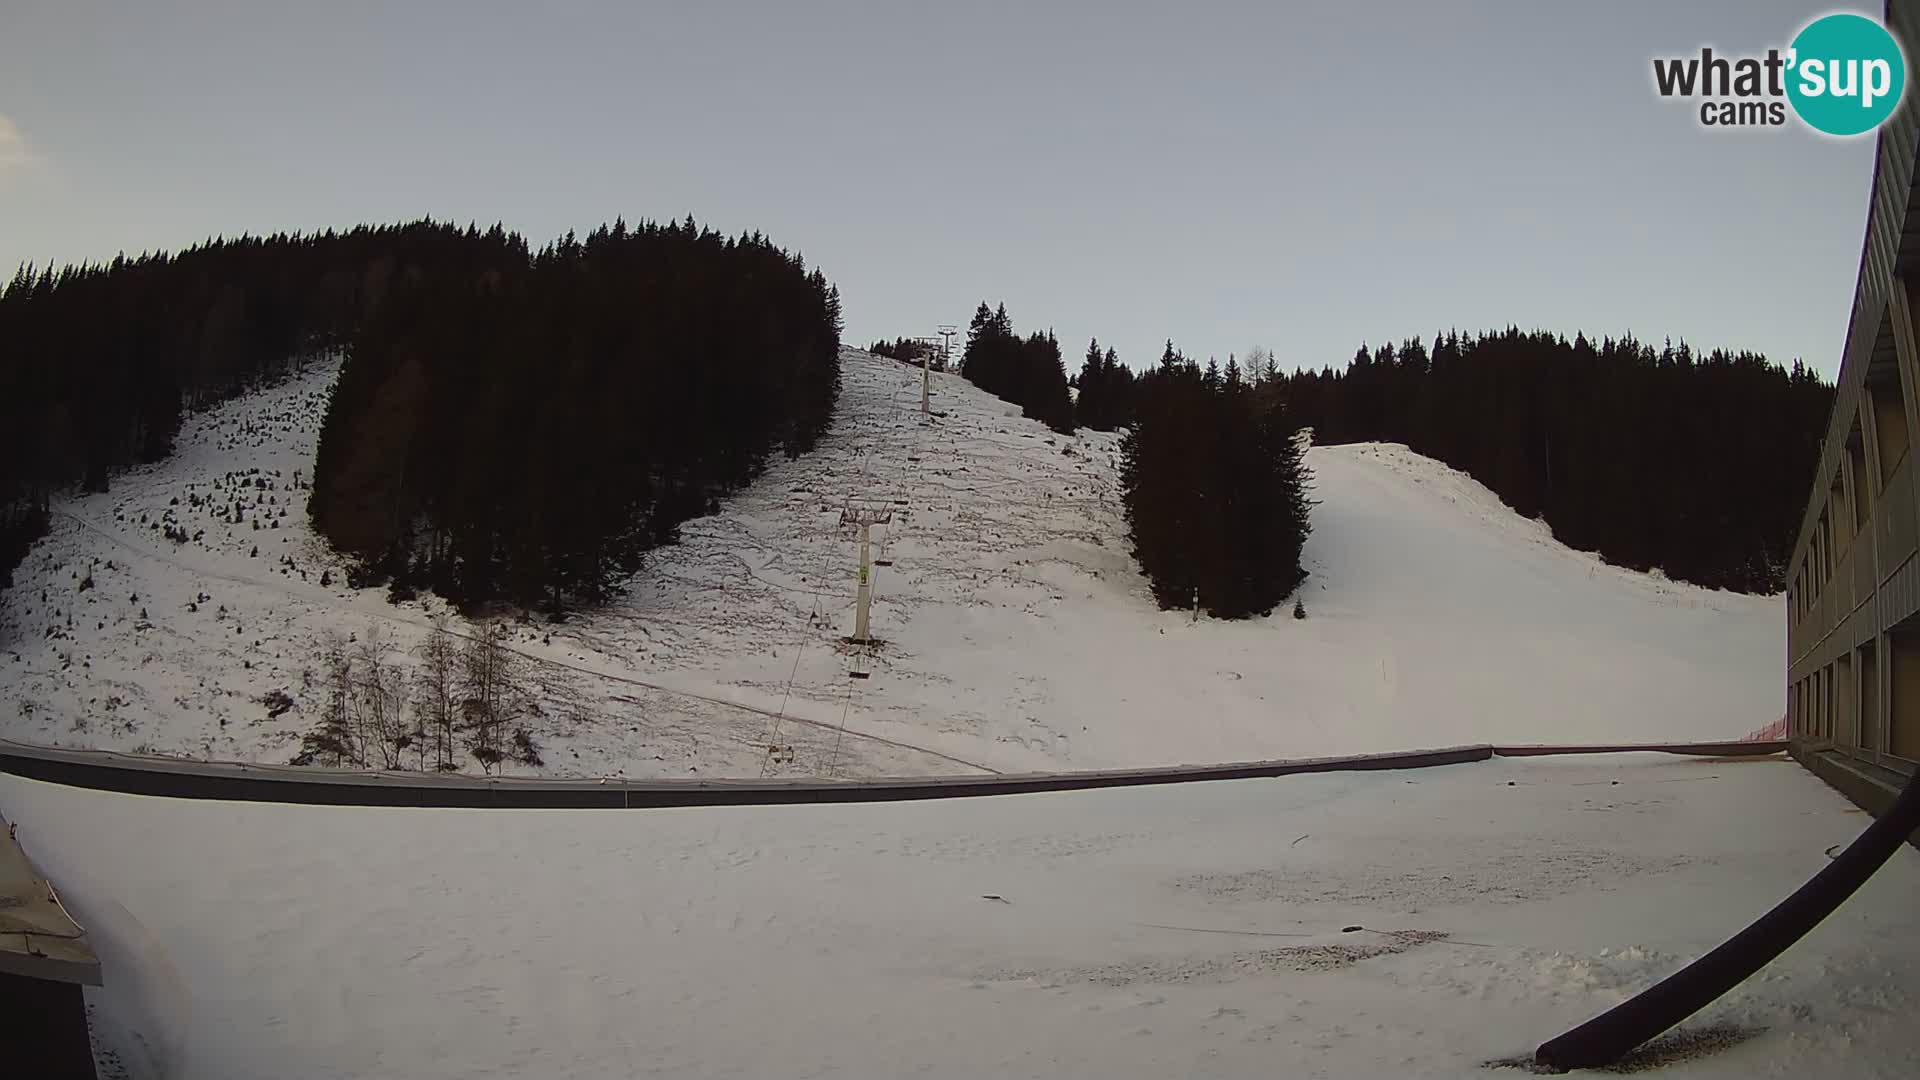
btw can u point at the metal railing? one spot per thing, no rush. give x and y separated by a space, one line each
139 774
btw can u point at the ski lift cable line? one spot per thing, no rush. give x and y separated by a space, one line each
776 721
872 583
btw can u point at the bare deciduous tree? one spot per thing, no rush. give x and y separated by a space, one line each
1260 365
490 694
380 703
436 690
332 741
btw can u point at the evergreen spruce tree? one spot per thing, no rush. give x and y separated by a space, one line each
1090 406
1215 492
1120 391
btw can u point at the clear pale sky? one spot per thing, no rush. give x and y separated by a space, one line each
1224 174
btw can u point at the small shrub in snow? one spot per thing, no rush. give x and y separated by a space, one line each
525 750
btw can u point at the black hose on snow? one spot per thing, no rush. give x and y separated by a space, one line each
1608 1037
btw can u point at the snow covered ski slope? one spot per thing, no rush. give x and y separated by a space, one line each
1017 635
1196 930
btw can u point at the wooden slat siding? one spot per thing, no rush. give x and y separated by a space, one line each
1896 530
1890 244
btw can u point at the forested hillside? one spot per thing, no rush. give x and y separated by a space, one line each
1003 590
97 362
910 351
506 425
1694 463
527 434
1025 371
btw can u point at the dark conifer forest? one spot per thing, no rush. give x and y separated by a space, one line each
507 425
1027 372
1105 386
1695 463
1215 490
520 426
910 351
528 434
98 361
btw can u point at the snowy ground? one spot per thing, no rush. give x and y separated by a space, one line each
1017 634
1192 930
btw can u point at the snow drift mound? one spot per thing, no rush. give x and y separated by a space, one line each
1016 632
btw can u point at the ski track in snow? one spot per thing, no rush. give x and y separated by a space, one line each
1017 633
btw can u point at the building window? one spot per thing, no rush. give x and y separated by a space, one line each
1843 711
1860 491
1889 418
1903 697
1867 717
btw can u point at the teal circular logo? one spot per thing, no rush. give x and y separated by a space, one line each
1845 74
